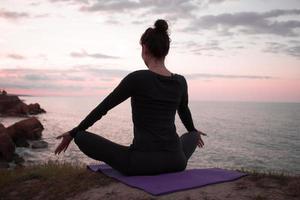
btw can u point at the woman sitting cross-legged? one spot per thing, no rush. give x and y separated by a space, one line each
156 94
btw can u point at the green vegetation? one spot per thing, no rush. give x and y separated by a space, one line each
52 180
290 182
57 180
269 173
259 197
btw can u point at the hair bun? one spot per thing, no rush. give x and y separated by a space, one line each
161 25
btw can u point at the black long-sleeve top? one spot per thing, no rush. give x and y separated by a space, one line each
154 101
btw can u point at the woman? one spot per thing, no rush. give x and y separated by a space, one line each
155 94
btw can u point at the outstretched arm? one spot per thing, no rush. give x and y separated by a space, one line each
184 111
186 116
118 95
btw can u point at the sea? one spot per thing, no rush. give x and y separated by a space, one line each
258 136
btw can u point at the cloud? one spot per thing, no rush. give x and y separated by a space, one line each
156 6
115 73
113 21
11 15
70 1
199 48
287 49
15 56
36 77
83 78
225 76
84 54
100 72
212 45
111 6
172 9
47 86
41 74
218 1
69 80
249 23
41 15
34 3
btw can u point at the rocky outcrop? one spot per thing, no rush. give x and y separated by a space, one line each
7 146
34 109
29 129
12 105
17 135
21 142
3 164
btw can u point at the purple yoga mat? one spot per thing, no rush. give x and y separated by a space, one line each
171 182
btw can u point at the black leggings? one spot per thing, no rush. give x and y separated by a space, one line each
131 162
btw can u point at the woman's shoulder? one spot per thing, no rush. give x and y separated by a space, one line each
138 72
136 75
143 73
180 77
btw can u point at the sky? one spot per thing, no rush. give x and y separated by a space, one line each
228 50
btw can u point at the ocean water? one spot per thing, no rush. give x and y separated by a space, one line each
259 136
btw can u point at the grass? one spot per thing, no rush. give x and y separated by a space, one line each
290 182
260 197
280 175
51 180
57 180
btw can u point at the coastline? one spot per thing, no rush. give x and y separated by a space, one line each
259 132
74 181
56 180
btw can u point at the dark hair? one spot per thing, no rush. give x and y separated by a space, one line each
157 39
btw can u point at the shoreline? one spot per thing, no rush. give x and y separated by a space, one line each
191 100
57 180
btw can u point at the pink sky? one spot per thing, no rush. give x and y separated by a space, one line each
228 50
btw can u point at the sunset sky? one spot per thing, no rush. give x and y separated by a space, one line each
228 50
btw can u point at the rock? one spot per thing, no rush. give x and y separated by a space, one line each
7 146
30 128
4 164
18 159
19 109
21 142
3 92
39 144
12 105
35 109
7 102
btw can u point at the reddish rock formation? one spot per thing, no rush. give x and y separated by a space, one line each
11 105
18 110
17 135
8 102
30 128
7 146
35 108
3 92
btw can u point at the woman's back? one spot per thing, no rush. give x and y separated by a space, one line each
154 102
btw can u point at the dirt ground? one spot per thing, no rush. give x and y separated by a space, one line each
66 182
249 187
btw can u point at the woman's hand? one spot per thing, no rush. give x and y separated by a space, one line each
200 141
66 139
